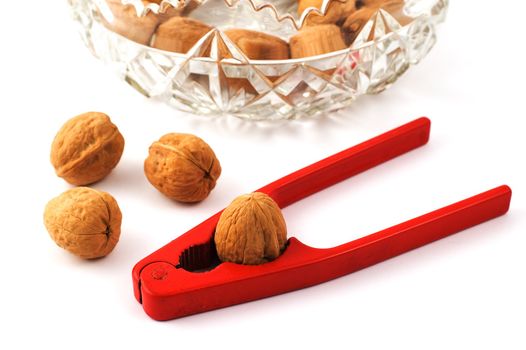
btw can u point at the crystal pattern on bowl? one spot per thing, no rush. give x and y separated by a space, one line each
270 89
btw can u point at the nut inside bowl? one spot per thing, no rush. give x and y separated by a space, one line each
257 60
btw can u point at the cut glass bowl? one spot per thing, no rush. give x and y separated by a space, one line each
206 81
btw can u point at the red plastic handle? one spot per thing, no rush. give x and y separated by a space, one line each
320 265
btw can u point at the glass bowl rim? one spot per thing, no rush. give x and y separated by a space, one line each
235 62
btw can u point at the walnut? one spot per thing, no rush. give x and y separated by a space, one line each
84 221
251 230
183 167
86 148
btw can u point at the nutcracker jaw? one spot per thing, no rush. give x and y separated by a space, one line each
185 277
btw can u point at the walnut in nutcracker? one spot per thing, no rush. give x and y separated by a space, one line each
183 167
84 221
86 148
251 230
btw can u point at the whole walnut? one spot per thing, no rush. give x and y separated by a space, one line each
84 221
183 167
86 148
251 230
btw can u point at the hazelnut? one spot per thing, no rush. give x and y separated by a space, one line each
86 148
84 221
251 230
183 167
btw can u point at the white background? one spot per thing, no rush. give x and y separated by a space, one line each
466 291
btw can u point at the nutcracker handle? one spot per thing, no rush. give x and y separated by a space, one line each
320 265
352 161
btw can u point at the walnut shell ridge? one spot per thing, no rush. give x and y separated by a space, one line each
84 221
86 148
251 230
183 167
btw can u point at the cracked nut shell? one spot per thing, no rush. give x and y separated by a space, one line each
251 230
183 167
84 221
86 148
